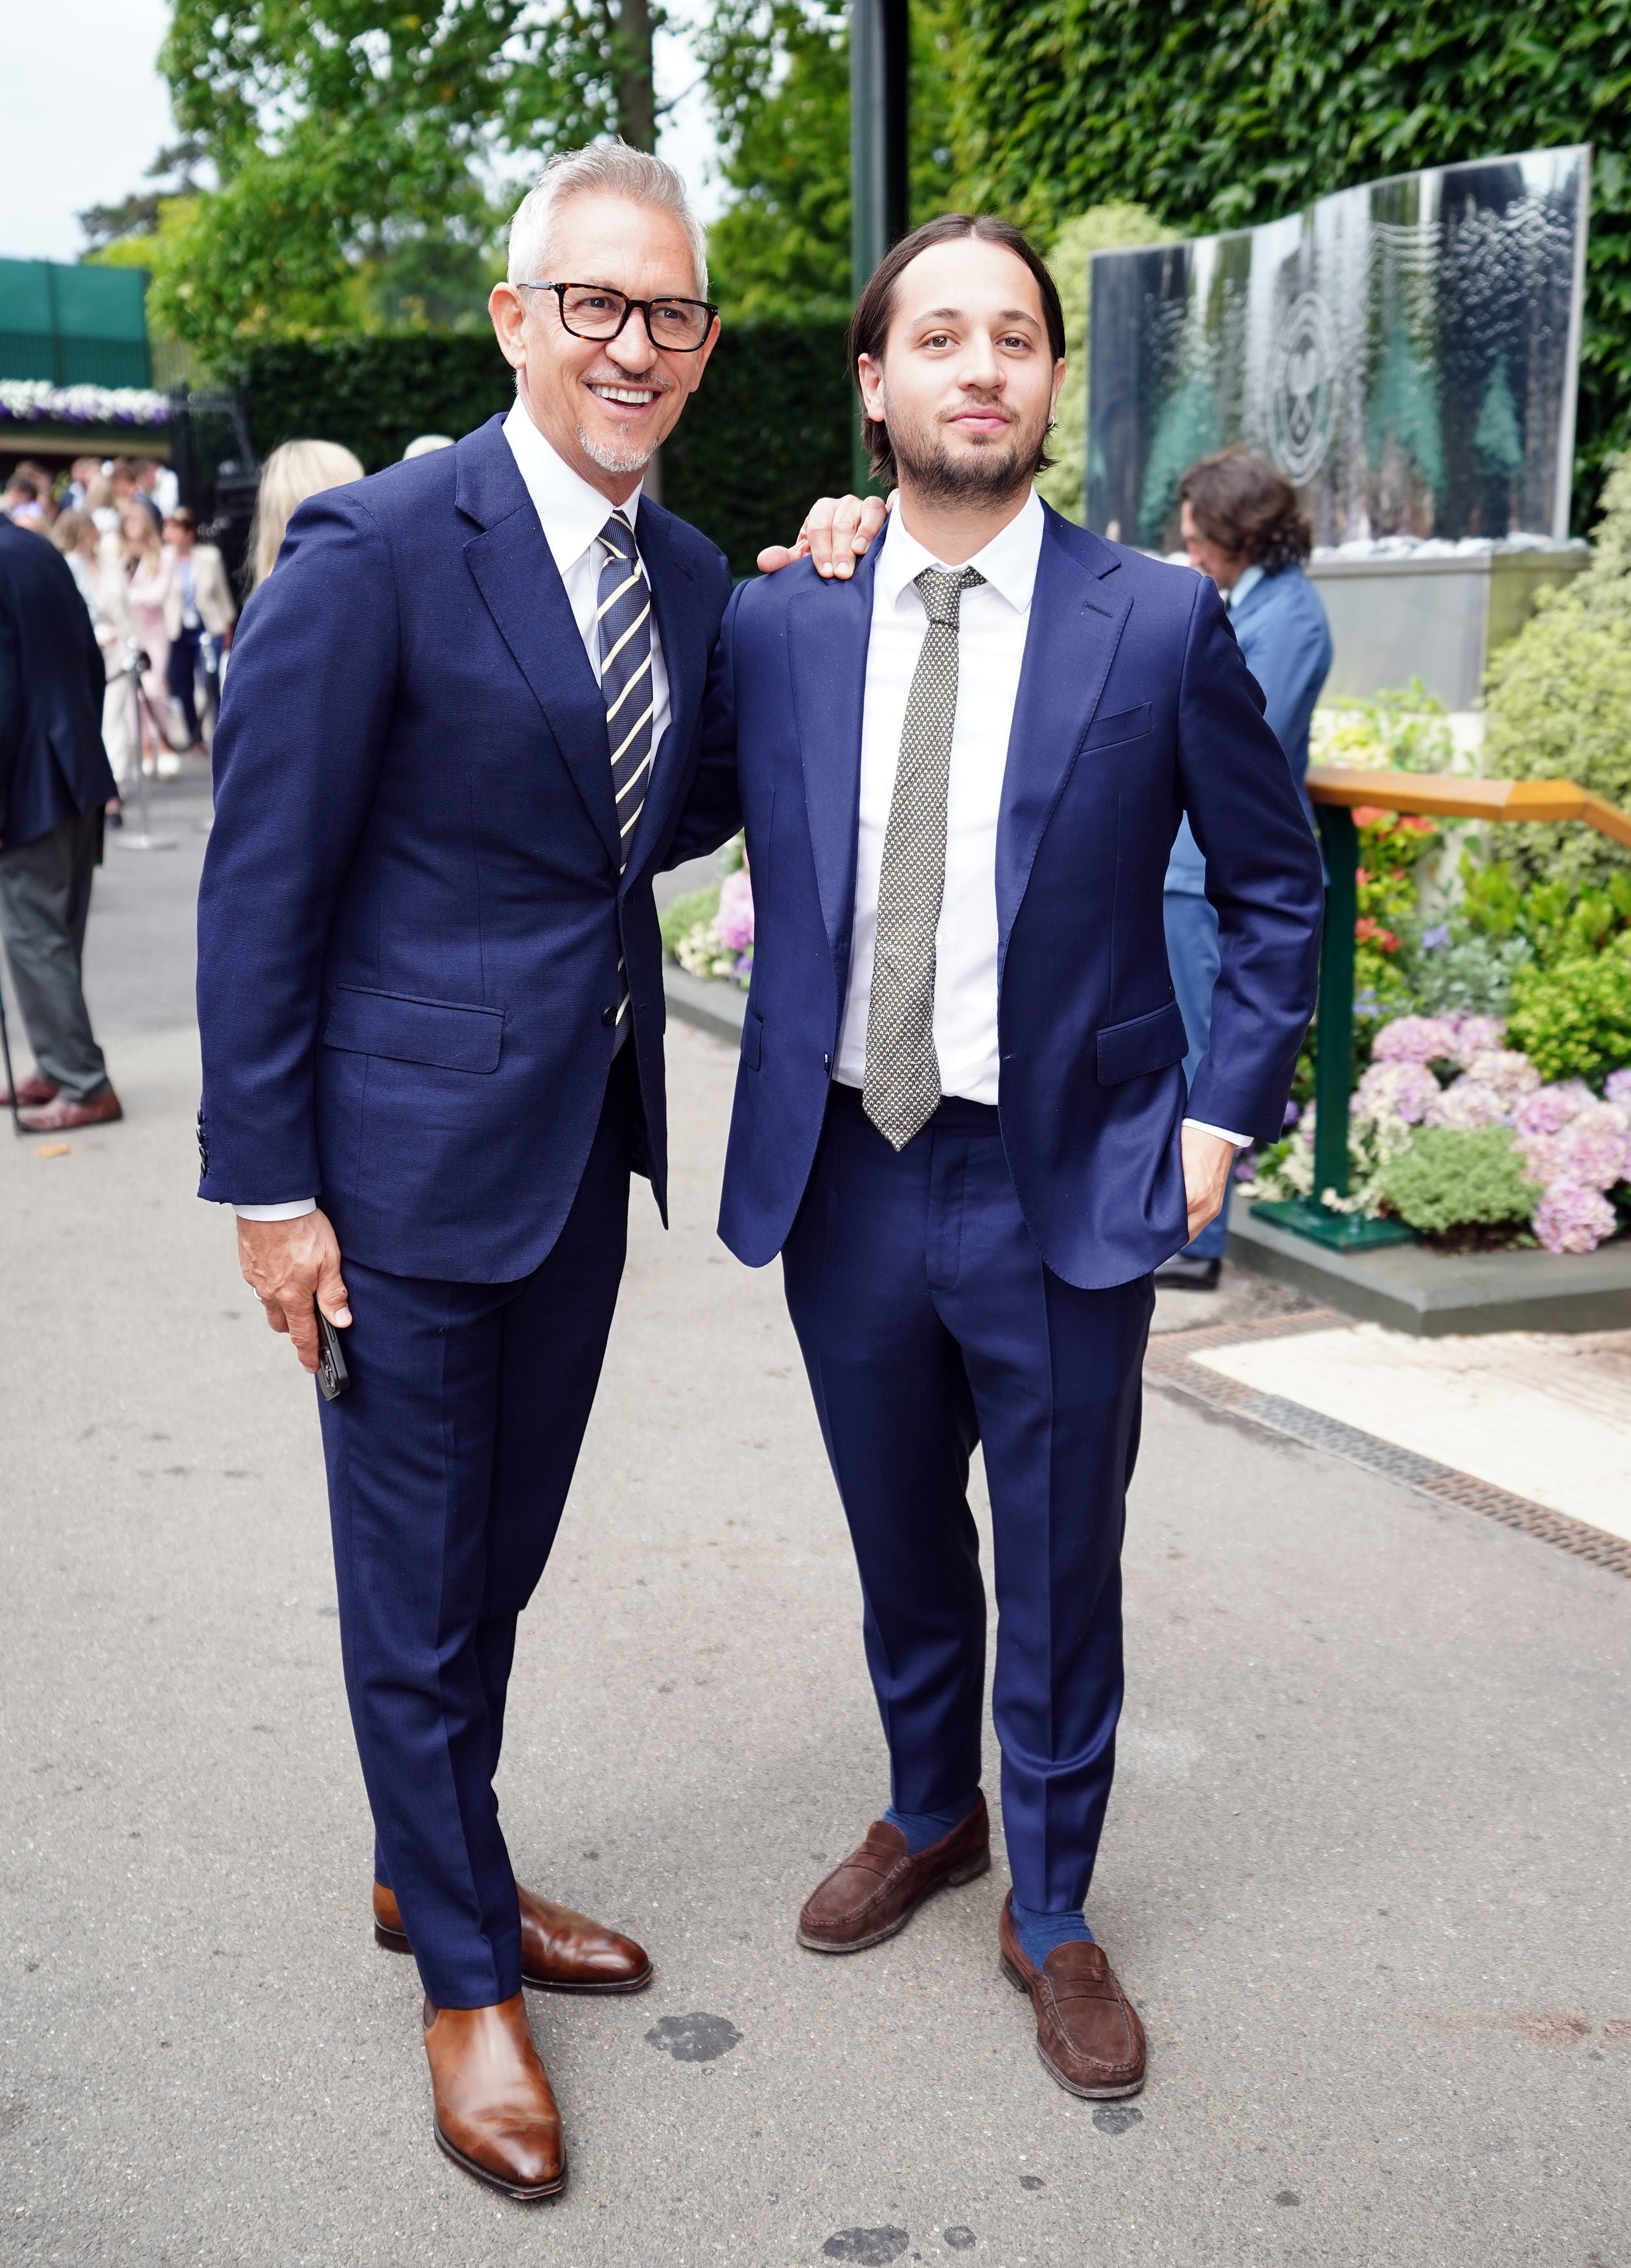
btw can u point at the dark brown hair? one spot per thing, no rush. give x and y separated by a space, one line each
875 309
1244 504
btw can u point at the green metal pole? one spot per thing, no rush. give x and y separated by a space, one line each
879 212
1334 1060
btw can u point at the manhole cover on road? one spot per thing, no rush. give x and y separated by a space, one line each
874 2248
698 2039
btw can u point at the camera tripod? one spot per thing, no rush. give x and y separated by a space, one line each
141 702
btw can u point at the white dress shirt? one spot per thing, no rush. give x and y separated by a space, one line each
571 514
992 625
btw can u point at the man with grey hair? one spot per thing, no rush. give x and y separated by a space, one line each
462 722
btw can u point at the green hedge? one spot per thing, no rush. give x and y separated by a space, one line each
769 431
1215 116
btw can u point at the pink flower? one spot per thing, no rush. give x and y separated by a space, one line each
1467 1103
1509 1074
735 918
1617 1087
1549 1108
1569 1219
1414 1039
1593 1148
1540 1154
1475 1035
1398 1090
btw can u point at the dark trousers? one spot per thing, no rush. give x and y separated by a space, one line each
928 1322
45 901
181 677
448 1463
1193 956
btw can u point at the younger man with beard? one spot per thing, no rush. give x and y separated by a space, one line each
960 1115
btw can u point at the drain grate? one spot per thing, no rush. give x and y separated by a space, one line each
1169 1364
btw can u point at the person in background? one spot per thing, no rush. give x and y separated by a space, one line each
53 785
159 484
26 502
425 443
102 503
294 471
128 490
149 580
1241 525
80 473
94 565
199 614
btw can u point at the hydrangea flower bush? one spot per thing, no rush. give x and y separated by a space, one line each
710 931
1457 1073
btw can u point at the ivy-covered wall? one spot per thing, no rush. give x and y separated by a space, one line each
769 431
1218 114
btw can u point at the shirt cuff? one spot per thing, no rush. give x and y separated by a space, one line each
1240 1141
296 1209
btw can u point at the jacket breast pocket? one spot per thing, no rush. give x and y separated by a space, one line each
444 1034
1125 724
1145 1043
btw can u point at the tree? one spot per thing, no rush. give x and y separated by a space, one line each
363 154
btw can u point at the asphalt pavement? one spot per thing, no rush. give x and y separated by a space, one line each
1366 1871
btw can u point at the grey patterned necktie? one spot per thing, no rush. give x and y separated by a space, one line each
902 1090
623 613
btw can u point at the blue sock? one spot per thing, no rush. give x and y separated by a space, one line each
922 1827
1040 1932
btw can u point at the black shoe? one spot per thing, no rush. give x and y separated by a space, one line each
1182 1273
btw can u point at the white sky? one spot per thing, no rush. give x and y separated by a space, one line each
84 113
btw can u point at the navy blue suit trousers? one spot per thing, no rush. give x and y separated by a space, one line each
448 1463
930 1321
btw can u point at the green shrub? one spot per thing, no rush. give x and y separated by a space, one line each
681 914
1559 700
1573 1019
1452 1175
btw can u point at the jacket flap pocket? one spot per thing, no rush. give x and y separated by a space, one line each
439 1032
1146 1044
1125 724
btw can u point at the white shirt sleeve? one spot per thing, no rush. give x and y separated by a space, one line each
1240 1141
295 1209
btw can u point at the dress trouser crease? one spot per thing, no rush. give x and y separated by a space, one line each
929 1321
44 903
449 1464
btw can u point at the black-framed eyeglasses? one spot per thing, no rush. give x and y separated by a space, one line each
589 310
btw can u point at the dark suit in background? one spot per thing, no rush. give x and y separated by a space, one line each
55 781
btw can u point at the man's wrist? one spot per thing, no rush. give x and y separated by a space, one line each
296 1209
1240 1141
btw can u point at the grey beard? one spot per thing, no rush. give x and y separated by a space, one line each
991 477
614 460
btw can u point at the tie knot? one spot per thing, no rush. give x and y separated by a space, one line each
618 537
942 591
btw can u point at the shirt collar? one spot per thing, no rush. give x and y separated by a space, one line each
571 513
1009 562
1245 585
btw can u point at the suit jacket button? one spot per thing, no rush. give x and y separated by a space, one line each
608 1015
827 1064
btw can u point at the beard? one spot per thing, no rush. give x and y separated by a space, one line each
988 473
615 455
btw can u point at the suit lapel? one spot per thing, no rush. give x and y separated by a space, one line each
1075 623
516 576
829 625
674 610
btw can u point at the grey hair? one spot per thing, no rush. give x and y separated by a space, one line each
609 169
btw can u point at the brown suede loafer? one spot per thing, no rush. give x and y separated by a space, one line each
1087 2031
880 1885
495 2113
561 1951
31 1093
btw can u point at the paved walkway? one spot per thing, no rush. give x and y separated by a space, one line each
1366 1870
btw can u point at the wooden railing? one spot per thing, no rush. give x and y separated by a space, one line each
1336 795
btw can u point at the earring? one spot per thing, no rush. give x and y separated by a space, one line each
1051 424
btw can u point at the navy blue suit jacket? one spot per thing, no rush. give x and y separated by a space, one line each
1133 706
53 765
411 914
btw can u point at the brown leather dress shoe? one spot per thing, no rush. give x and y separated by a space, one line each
561 1951
880 1885
57 1117
495 2113
1087 2031
31 1093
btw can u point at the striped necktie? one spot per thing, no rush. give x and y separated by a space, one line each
623 613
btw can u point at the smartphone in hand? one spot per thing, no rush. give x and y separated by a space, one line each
332 1378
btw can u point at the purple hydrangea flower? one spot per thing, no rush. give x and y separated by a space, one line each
1465 1103
1617 1087
734 921
1505 1071
1593 1148
1477 1036
1403 1090
1569 1219
1414 1039
1549 1108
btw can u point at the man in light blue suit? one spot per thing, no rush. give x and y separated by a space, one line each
961 1117
1241 526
